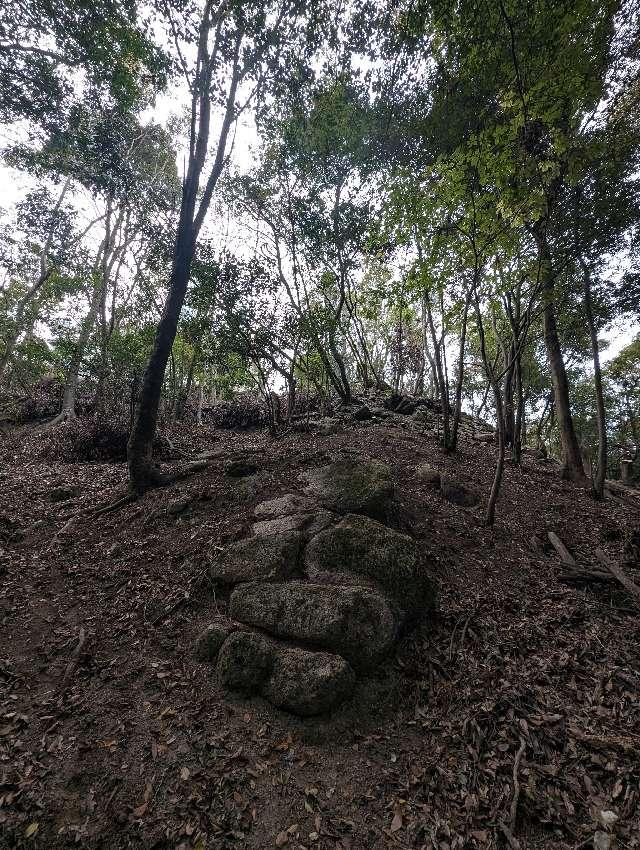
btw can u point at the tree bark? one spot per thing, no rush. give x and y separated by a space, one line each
141 470
142 473
601 416
572 466
457 412
490 513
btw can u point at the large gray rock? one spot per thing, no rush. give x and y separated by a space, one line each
240 468
63 494
308 524
367 548
485 437
298 680
245 662
290 503
273 558
307 683
250 486
355 622
347 487
180 504
327 427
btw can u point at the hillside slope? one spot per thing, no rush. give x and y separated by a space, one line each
113 735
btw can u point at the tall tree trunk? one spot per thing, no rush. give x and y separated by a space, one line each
490 513
509 408
183 399
142 473
200 402
572 466
519 435
601 470
457 412
73 372
141 470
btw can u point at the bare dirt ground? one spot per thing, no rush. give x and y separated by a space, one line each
511 719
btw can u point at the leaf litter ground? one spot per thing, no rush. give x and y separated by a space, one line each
512 719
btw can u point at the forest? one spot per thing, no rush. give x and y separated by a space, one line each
320 424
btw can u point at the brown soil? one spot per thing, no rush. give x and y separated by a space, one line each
113 736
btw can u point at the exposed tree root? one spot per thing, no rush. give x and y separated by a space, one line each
60 419
114 506
630 586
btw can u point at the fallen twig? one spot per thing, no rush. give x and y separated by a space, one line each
561 549
508 829
511 839
513 811
73 663
630 586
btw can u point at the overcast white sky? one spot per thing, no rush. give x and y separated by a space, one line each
14 185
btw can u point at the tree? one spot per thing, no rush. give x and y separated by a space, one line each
53 54
239 45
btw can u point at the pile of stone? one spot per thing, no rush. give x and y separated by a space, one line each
320 593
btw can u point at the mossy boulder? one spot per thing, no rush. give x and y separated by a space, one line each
358 623
268 558
346 487
427 474
307 683
211 639
245 662
308 524
365 547
290 503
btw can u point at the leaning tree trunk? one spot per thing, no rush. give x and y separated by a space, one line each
598 480
572 466
142 473
141 470
519 435
490 513
494 384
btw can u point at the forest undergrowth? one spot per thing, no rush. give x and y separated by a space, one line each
511 719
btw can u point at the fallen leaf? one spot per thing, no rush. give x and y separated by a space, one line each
281 839
396 823
31 830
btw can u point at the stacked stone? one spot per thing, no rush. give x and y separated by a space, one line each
321 592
